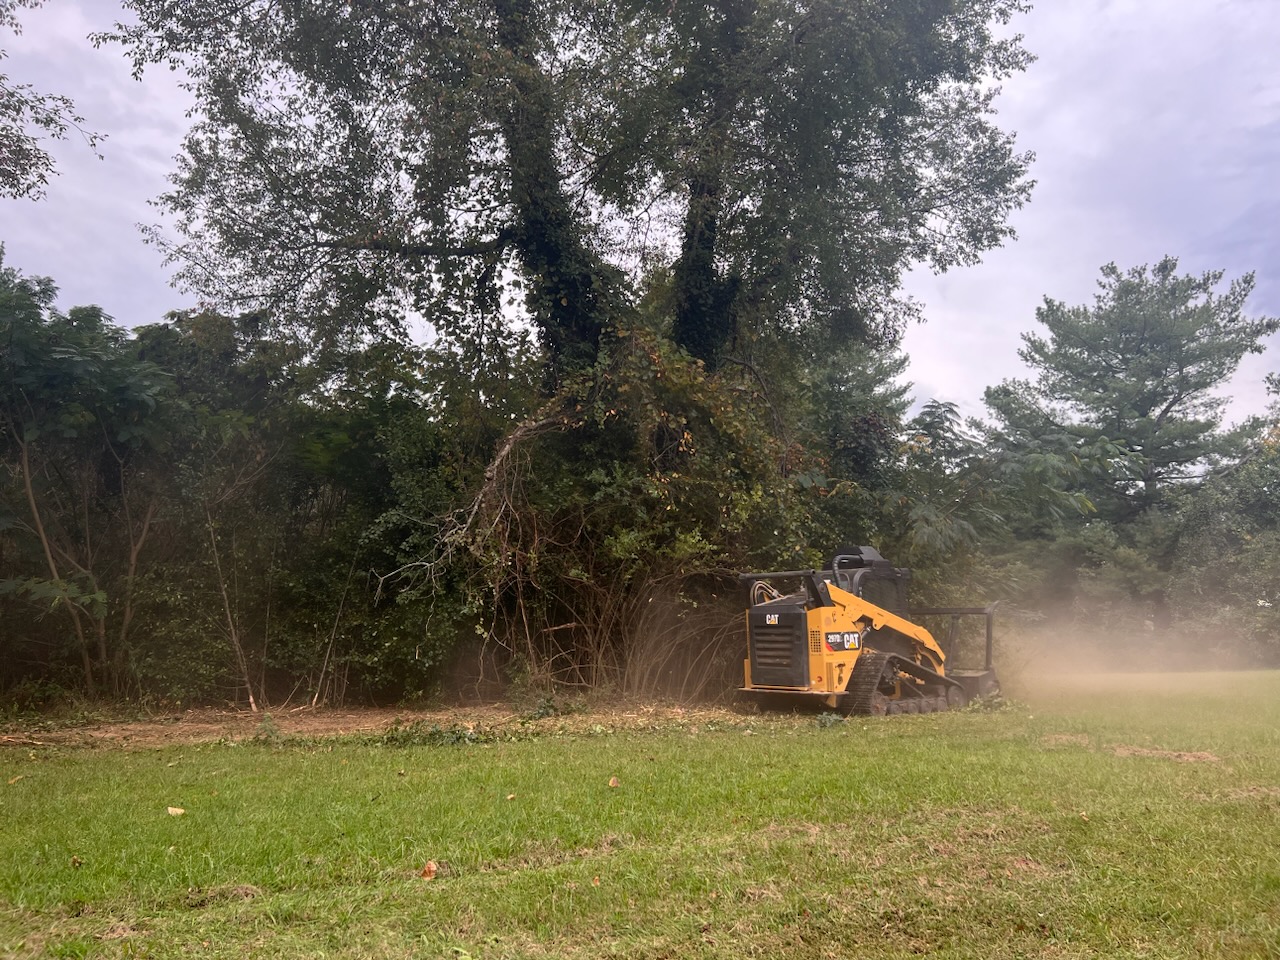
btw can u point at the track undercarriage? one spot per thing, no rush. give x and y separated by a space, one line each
881 685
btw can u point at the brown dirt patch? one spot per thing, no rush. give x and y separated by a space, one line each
1251 793
1180 756
1026 866
120 930
198 897
209 725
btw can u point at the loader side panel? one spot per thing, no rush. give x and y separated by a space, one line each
779 644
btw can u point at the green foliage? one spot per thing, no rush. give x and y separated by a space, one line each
268 731
588 525
658 250
83 423
690 409
777 127
949 492
1133 377
1139 368
203 514
422 734
1228 579
816 152
270 521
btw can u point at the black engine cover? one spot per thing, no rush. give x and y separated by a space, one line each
778 645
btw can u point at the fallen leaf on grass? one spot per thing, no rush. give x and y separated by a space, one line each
613 782
429 871
21 776
176 811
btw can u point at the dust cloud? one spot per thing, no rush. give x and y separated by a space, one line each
1072 657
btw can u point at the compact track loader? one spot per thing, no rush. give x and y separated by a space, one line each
844 638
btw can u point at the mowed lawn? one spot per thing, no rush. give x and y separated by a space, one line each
1117 816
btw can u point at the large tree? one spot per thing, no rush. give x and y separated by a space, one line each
688 203
781 163
1141 365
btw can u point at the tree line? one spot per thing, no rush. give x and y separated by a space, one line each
196 511
657 252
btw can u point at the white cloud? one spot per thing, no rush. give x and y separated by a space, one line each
84 234
1156 127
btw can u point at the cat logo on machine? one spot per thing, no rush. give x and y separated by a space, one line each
771 619
844 641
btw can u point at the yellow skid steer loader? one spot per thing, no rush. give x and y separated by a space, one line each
844 638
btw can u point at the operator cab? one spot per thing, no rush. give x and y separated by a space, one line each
864 573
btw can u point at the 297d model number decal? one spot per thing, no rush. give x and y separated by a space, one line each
844 641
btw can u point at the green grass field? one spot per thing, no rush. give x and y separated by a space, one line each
1121 816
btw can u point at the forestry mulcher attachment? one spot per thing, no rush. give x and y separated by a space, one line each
845 639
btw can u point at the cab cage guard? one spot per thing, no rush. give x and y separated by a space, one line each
814 585
955 613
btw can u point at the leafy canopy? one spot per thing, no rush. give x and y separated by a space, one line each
1139 366
781 162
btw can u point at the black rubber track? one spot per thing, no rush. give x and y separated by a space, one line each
863 697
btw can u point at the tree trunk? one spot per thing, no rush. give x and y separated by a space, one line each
233 631
704 299
37 521
703 302
136 541
569 285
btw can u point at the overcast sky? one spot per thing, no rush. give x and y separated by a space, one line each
1156 125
